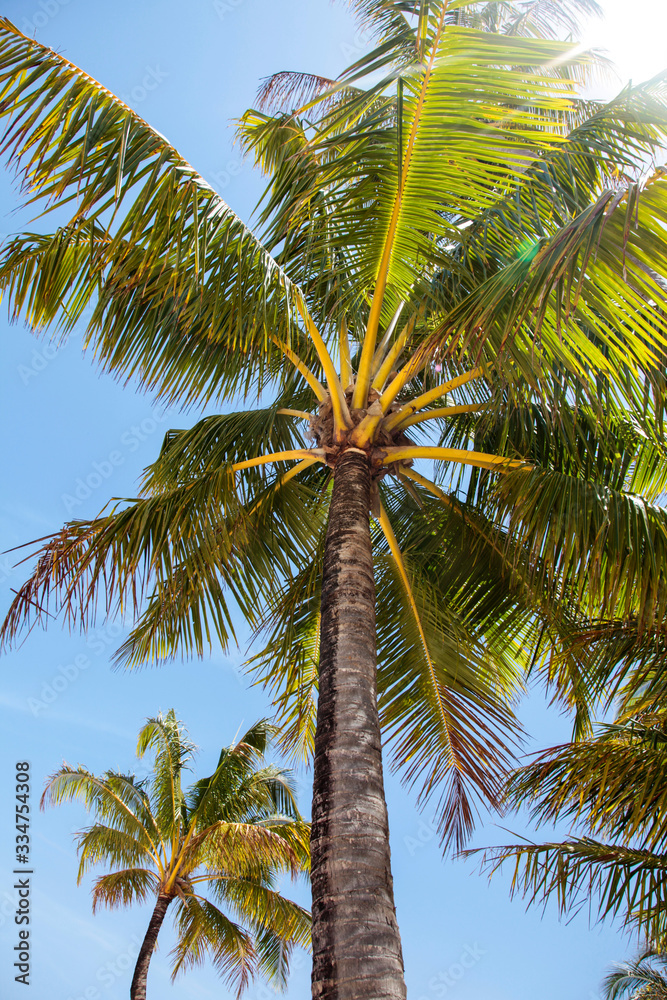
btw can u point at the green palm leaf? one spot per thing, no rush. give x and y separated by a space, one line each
629 883
205 932
122 888
611 784
638 979
115 798
171 236
172 754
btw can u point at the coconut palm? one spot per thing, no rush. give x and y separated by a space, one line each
455 245
213 852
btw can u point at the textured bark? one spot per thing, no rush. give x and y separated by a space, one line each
356 943
138 987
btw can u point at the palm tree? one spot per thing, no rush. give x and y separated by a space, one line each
231 836
638 980
454 244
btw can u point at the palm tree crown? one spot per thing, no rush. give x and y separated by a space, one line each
215 852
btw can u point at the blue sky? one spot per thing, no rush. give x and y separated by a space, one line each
189 67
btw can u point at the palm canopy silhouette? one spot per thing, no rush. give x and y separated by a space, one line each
214 852
455 245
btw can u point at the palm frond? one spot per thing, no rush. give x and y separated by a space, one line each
601 545
241 788
566 295
626 660
99 843
444 694
177 549
628 883
287 91
637 979
183 293
173 753
242 849
205 932
612 781
122 888
289 662
278 924
114 798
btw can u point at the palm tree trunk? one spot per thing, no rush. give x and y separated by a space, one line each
138 986
356 943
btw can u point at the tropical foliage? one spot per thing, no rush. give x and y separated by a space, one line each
214 852
510 262
460 268
613 789
643 979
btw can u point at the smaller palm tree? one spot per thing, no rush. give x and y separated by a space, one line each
638 980
216 852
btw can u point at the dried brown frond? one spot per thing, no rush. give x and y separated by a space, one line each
54 572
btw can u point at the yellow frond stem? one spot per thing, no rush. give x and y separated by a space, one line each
285 478
295 413
313 382
345 361
316 454
389 363
419 402
458 455
370 339
450 502
406 374
177 861
342 419
394 548
363 432
441 411
381 349
291 473
427 484
362 385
